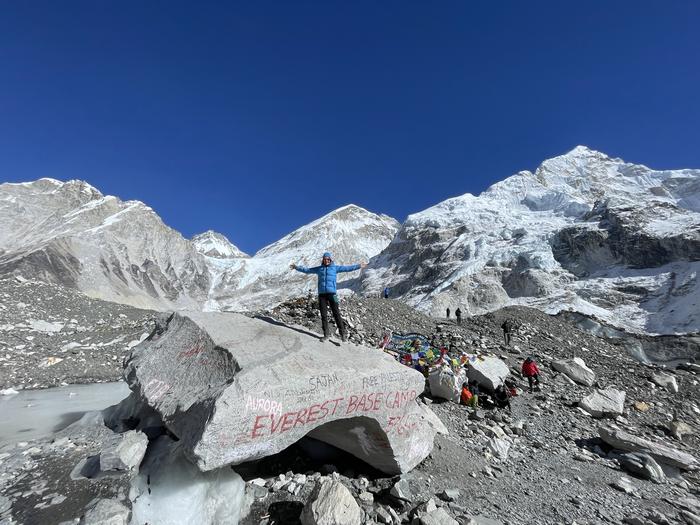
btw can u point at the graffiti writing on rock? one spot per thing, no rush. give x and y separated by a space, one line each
323 381
257 404
194 351
155 390
401 424
382 379
269 424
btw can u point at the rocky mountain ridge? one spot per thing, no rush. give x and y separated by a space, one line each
69 233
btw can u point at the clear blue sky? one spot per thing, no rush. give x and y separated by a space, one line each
254 118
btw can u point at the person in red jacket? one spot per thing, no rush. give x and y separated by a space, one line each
532 372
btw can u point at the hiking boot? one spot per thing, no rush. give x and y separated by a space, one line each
344 338
324 339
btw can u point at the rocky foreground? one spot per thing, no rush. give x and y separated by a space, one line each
546 460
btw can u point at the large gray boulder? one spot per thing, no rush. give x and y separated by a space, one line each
604 403
622 440
575 369
331 503
235 389
489 371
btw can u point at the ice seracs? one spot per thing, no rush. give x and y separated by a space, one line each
585 232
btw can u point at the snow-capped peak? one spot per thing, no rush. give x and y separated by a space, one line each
215 244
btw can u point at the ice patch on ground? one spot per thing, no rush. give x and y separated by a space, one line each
170 490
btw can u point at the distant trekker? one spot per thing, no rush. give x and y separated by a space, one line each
386 292
458 314
326 274
448 313
532 372
508 326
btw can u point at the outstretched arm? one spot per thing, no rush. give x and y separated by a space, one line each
304 269
350 268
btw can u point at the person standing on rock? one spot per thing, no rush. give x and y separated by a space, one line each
448 313
327 289
532 372
386 292
458 315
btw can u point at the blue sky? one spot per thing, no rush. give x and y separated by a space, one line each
255 118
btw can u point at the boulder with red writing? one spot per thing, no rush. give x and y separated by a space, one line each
235 389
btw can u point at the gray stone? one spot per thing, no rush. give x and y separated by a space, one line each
124 451
488 371
625 485
401 490
438 517
499 447
449 494
383 515
642 465
366 498
575 369
235 389
622 440
604 403
690 518
665 380
5 504
331 503
106 512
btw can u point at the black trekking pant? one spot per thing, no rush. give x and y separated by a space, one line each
506 337
331 299
533 379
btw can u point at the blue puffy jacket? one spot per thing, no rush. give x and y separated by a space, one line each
327 275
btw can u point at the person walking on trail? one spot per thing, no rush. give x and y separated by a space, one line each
507 328
327 289
386 292
458 314
532 372
448 313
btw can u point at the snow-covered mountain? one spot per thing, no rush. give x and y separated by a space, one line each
214 244
69 233
351 234
584 232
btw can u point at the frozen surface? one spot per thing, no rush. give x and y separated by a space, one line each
32 414
170 490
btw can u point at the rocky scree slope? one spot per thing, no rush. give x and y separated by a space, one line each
585 232
51 335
